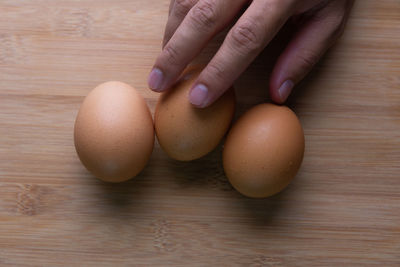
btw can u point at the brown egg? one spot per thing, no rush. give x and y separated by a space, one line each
114 133
185 132
263 150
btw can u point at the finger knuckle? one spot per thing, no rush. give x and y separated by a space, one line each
334 23
171 55
204 14
245 38
307 59
182 7
272 5
216 71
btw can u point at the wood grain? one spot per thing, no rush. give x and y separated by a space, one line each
343 209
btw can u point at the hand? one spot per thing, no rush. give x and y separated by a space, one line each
192 23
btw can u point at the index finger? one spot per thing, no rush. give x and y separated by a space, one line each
203 21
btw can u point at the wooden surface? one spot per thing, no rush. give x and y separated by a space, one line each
342 209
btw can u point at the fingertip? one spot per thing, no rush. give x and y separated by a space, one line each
284 91
156 80
280 87
198 96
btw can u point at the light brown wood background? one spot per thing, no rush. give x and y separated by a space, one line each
342 209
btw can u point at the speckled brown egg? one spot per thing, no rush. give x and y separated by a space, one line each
114 133
185 132
263 150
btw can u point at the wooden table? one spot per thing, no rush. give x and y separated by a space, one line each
343 208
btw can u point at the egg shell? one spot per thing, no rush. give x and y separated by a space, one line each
186 132
264 150
114 132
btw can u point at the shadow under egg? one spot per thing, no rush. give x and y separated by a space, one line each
127 198
206 171
263 211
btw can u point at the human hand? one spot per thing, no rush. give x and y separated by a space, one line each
192 24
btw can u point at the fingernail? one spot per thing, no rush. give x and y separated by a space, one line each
156 79
285 89
198 95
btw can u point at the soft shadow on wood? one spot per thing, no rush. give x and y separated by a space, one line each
206 171
121 194
121 199
305 87
266 211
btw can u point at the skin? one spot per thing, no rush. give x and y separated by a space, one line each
193 23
